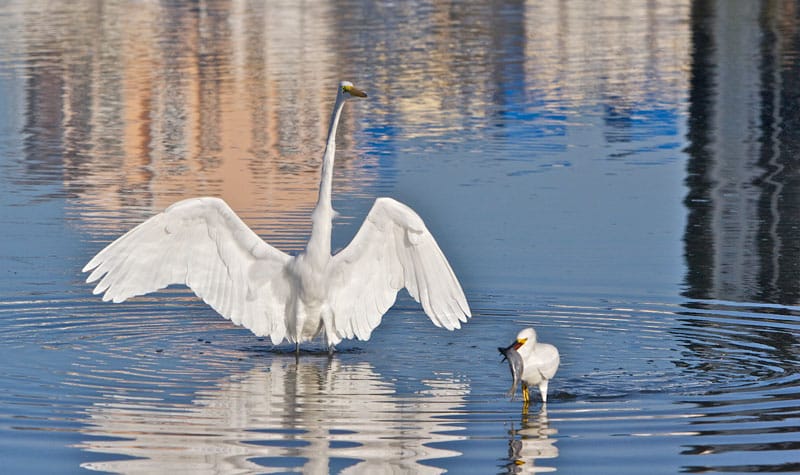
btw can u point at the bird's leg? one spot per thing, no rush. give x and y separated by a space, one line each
330 345
526 397
327 322
543 390
297 348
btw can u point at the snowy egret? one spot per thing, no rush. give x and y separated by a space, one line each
538 361
202 243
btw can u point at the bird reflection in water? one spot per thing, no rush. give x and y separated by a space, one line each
533 441
315 415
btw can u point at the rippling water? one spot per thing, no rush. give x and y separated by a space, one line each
621 176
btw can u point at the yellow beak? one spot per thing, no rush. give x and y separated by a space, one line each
353 91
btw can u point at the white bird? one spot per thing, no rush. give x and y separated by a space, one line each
202 243
539 363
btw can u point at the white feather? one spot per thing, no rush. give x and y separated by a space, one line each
392 250
202 243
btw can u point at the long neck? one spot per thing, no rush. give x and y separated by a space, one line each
319 246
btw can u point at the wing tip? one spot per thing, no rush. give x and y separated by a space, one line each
93 263
94 276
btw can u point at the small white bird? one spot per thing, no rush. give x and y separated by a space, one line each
539 363
202 243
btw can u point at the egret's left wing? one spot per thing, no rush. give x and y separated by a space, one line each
202 243
393 249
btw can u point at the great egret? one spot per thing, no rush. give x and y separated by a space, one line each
539 363
202 243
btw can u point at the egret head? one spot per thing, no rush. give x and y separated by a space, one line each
527 335
347 90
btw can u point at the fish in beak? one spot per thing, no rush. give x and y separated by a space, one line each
511 354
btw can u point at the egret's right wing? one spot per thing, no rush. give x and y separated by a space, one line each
202 243
392 250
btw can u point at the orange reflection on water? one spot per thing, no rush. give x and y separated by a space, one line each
151 103
148 103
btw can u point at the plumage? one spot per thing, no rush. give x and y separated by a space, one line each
202 243
539 362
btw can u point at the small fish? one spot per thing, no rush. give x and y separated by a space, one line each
515 364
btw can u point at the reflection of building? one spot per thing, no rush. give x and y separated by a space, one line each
741 238
152 102
625 61
140 104
585 51
311 414
479 61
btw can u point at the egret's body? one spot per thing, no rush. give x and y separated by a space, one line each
539 362
202 243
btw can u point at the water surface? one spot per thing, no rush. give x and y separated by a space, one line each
620 176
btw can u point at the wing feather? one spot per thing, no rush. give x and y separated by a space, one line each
393 249
202 243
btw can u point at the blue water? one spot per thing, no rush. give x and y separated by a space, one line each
620 176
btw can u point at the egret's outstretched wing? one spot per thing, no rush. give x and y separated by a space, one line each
202 243
393 249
